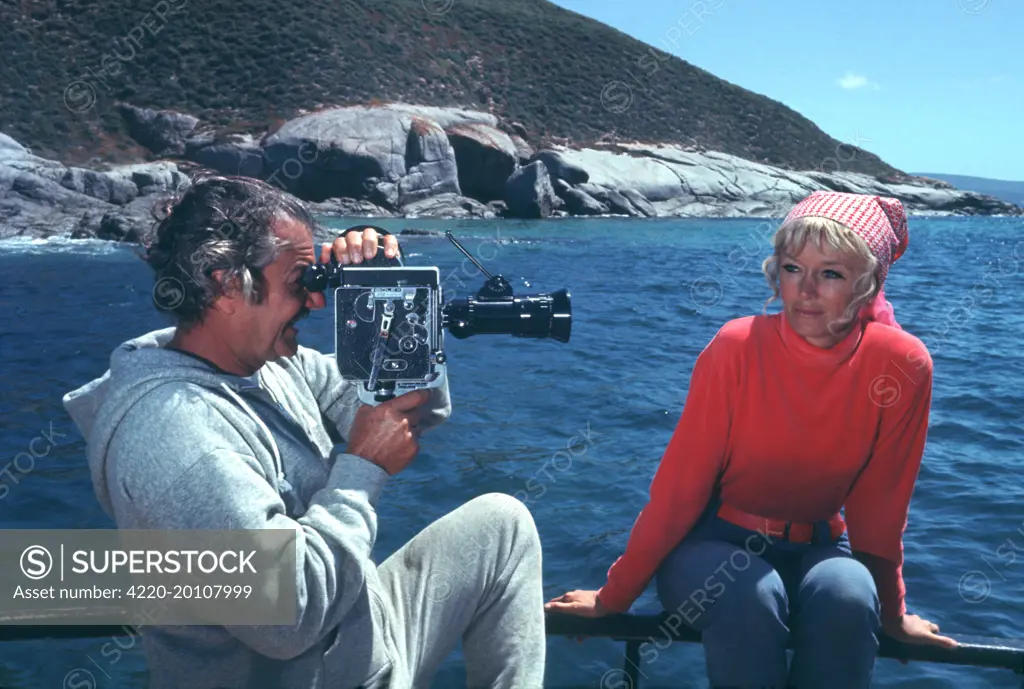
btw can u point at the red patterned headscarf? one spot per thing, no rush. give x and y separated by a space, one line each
880 221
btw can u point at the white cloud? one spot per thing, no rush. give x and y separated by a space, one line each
852 81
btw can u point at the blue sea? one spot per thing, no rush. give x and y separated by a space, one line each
646 297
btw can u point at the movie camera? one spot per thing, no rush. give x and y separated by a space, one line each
390 319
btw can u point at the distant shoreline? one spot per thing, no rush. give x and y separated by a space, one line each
409 161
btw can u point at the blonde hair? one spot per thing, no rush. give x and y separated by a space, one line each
791 238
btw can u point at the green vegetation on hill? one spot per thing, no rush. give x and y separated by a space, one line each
255 63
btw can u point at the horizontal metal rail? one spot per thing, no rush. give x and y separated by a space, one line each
635 630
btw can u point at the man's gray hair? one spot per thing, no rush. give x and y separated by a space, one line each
219 224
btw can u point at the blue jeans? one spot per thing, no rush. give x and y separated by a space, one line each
751 596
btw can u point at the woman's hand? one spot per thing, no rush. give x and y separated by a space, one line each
582 603
912 629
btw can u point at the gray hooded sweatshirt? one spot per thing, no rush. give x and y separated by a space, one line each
174 443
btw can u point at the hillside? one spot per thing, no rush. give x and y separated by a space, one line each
68 62
1011 192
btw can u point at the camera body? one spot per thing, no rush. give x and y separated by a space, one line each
389 335
390 321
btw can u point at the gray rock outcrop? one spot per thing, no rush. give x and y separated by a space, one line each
529 193
42 198
386 156
579 202
231 154
670 181
560 167
524 152
161 131
445 117
11 146
423 161
486 157
349 208
117 189
448 206
430 166
377 156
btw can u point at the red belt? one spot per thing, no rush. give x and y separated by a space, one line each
795 532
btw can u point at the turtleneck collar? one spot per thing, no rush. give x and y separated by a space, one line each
808 353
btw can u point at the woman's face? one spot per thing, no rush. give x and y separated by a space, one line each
816 287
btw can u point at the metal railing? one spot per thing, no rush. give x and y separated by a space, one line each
634 630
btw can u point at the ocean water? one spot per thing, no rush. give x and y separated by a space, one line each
646 297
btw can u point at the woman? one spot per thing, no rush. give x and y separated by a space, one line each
789 419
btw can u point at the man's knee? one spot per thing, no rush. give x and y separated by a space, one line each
502 508
498 515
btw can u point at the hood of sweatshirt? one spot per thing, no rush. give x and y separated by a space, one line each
137 367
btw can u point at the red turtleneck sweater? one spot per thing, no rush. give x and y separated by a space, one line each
790 431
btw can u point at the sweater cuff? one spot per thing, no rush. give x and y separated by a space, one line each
888 578
613 601
352 472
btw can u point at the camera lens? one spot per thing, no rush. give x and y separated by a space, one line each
531 315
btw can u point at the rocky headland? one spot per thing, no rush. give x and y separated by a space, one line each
404 160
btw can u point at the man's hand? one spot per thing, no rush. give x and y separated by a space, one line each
388 433
354 246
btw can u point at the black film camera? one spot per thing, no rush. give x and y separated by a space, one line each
390 320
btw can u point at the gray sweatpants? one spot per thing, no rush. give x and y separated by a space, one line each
473 575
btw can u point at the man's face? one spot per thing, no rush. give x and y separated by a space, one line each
266 331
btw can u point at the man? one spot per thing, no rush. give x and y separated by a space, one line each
224 421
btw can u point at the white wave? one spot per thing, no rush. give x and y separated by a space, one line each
66 245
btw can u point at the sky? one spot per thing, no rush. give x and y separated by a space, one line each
928 85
